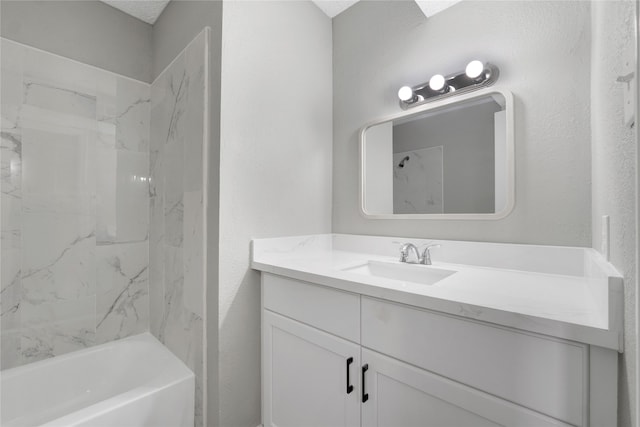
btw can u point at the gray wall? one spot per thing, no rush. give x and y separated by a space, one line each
614 174
87 31
468 139
275 169
179 23
380 46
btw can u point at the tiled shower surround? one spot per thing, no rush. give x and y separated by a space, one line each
101 221
75 142
417 185
176 240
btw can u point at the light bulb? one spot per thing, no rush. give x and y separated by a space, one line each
474 69
405 93
437 82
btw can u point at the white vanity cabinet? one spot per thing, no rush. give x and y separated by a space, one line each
403 395
333 358
310 376
310 355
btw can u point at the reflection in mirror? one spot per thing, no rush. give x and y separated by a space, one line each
446 159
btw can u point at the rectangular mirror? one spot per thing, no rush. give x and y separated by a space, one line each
450 159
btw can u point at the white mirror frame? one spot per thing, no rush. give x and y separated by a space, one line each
436 105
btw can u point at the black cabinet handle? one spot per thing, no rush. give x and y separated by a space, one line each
349 386
365 396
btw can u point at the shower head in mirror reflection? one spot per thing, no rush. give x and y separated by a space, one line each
476 75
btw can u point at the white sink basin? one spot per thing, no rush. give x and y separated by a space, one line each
416 273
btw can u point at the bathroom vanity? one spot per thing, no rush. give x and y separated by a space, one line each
490 334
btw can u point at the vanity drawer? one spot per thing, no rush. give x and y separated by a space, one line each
543 374
330 310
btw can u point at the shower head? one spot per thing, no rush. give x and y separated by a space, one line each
401 164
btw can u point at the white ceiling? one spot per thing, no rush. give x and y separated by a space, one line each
145 10
334 7
431 7
428 7
149 10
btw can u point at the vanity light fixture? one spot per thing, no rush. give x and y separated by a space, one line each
476 75
437 83
406 94
474 69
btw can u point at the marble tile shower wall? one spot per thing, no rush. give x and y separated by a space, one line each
418 183
75 205
178 110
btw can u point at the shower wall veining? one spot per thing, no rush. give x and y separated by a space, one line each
102 224
75 205
178 111
102 191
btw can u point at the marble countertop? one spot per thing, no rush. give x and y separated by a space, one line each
572 294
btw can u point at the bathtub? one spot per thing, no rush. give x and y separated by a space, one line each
132 382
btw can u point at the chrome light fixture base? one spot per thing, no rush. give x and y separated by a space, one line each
454 84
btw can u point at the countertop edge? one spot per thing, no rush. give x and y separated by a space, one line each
606 338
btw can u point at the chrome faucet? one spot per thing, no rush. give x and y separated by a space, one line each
404 252
424 259
426 255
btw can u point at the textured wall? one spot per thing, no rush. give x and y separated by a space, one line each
87 31
613 171
75 199
275 169
177 232
382 45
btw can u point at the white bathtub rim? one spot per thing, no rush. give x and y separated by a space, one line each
145 337
103 407
99 408
178 373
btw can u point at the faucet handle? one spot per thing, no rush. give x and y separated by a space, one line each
426 254
427 248
404 251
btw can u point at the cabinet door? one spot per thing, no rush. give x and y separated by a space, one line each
546 375
401 395
306 374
